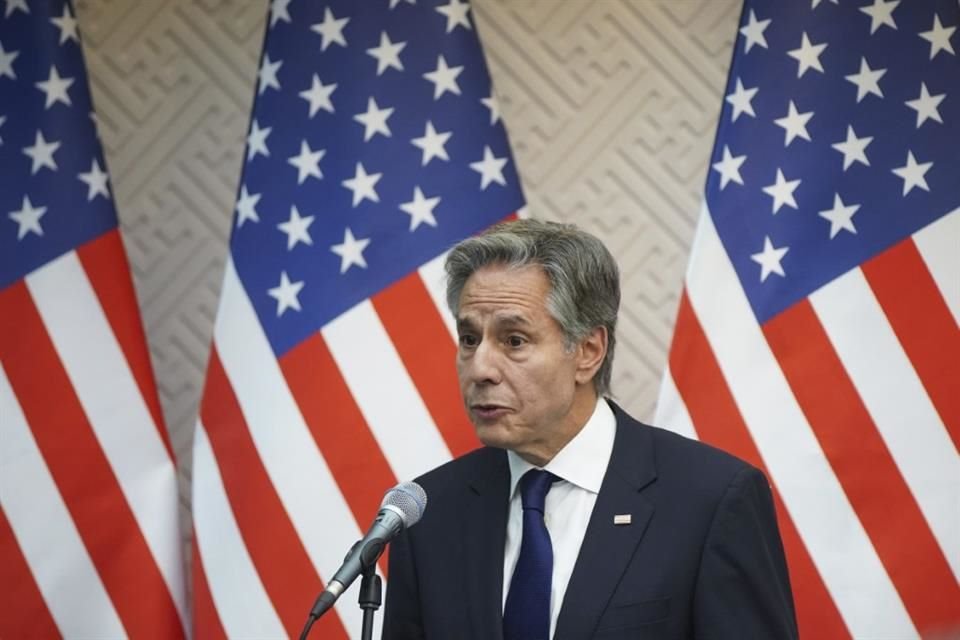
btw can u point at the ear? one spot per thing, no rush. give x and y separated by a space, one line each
590 354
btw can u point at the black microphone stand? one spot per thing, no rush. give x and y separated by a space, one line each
370 598
371 591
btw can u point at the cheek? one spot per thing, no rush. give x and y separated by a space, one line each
546 383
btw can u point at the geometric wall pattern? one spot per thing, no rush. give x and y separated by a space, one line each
611 107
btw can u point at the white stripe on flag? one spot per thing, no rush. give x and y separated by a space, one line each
671 411
108 392
434 279
385 393
939 244
45 532
299 473
840 548
897 402
242 603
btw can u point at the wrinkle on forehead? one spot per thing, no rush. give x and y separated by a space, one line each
505 292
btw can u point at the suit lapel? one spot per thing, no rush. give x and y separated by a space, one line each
485 532
607 548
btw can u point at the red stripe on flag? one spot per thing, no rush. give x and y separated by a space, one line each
414 325
338 427
866 470
105 262
81 471
718 421
23 611
923 323
275 548
206 621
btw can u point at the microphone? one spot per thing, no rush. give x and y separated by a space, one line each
402 507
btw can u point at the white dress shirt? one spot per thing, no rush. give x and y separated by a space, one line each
580 466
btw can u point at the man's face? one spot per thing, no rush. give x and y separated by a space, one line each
522 388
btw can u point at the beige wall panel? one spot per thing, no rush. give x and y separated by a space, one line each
611 107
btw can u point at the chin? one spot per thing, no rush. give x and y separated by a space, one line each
494 435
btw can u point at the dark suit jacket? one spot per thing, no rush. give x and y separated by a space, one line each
701 558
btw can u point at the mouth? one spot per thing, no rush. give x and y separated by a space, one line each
488 411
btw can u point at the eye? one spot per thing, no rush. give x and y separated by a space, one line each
468 341
516 341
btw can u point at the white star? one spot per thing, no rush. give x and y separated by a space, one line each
808 55
753 32
351 251
794 124
444 78
867 80
740 100
6 62
913 174
782 192
926 105
729 168
939 37
67 25
330 30
881 13
257 141
96 181
55 88
387 54
28 217
307 162
2 120
318 95
853 148
247 206
494 105
286 294
490 169
769 259
268 74
362 184
16 4
279 10
394 3
840 216
374 120
432 144
817 2
296 228
42 153
456 13
420 209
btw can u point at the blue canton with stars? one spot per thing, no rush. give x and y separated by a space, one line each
375 145
54 192
839 137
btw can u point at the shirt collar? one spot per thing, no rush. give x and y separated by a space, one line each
583 461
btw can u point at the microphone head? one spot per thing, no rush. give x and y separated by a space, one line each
409 499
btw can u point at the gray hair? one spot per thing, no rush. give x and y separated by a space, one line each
584 278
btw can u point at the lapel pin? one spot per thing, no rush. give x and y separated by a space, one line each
621 518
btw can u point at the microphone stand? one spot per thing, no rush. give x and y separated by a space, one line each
370 598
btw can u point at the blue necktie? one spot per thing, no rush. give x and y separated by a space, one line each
526 615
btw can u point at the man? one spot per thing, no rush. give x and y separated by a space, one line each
574 521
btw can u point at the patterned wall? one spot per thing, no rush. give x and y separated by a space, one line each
611 106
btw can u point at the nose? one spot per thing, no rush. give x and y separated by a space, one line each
482 366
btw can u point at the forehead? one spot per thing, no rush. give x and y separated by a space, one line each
499 289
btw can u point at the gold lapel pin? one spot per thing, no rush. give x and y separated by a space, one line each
621 518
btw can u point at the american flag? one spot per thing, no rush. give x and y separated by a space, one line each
817 334
374 145
89 540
